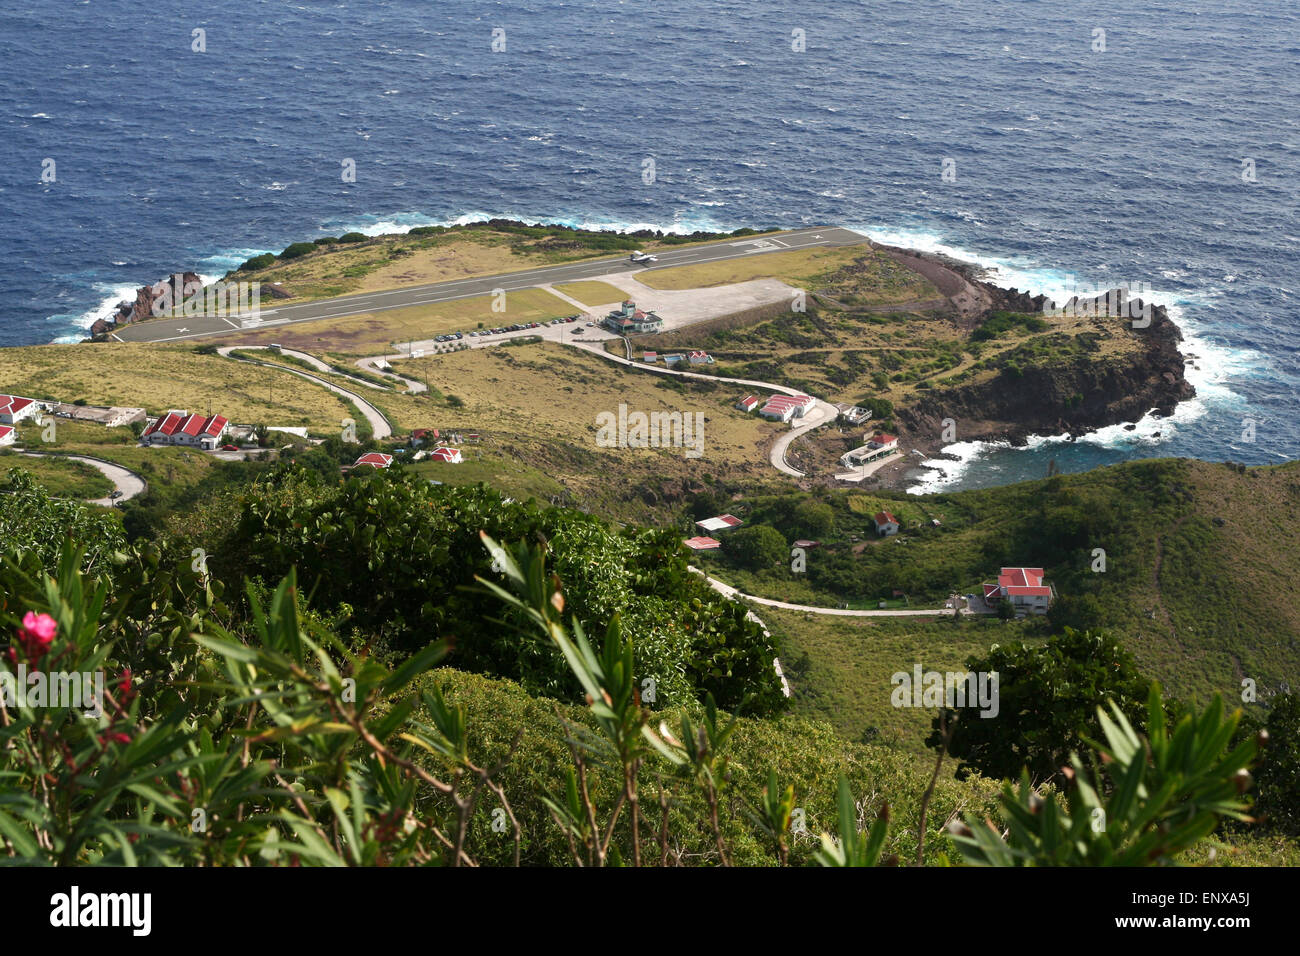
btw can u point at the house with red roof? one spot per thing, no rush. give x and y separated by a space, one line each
697 357
1023 587
628 319
748 403
7 434
14 409
179 427
720 523
782 408
886 523
703 543
375 459
879 445
448 454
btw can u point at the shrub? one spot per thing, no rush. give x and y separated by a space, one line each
298 249
755 547
265 260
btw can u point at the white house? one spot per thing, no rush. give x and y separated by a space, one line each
179 427
14 409
375 459
748 403
886 523
700 358
878 446
450 455
720 523
1023 587
7 434
782 408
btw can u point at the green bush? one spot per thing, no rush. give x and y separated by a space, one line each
265 260
298 249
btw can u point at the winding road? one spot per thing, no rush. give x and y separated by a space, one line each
379 425
726 590
125 481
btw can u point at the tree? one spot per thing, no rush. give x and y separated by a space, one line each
1006 610
1279 770
813 518
1155 798
758 546
1047 698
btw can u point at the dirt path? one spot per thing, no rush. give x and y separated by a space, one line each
965 297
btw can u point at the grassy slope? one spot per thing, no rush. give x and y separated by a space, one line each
395 261
161 377
380 333
806 754
61 478
1200 565
592 292
536 408
802 268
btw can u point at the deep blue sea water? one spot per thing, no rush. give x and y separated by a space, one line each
1073 165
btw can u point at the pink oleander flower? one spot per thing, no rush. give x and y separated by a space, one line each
37 633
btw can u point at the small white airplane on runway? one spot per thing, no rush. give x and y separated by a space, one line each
639 256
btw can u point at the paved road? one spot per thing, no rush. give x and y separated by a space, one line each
195 326
124 480
378 423
821 412
726 590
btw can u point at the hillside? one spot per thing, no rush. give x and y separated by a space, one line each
1199 561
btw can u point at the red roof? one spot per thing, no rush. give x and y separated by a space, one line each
10 404
445 454
166 425
702 543
881 438
1021 577
884 517
214 425
375 459
6 431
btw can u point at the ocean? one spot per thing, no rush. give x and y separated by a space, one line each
1156 146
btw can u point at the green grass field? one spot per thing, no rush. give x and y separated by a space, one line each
592 293
840 668
368 334
62 478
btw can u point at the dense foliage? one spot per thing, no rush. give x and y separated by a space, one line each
1048 696
394 556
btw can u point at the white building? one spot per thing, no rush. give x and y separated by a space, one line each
1024 588
14 409
886 523
179 427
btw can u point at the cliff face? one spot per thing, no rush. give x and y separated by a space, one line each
1075 396
142 307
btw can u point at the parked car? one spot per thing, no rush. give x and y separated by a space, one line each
230 447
